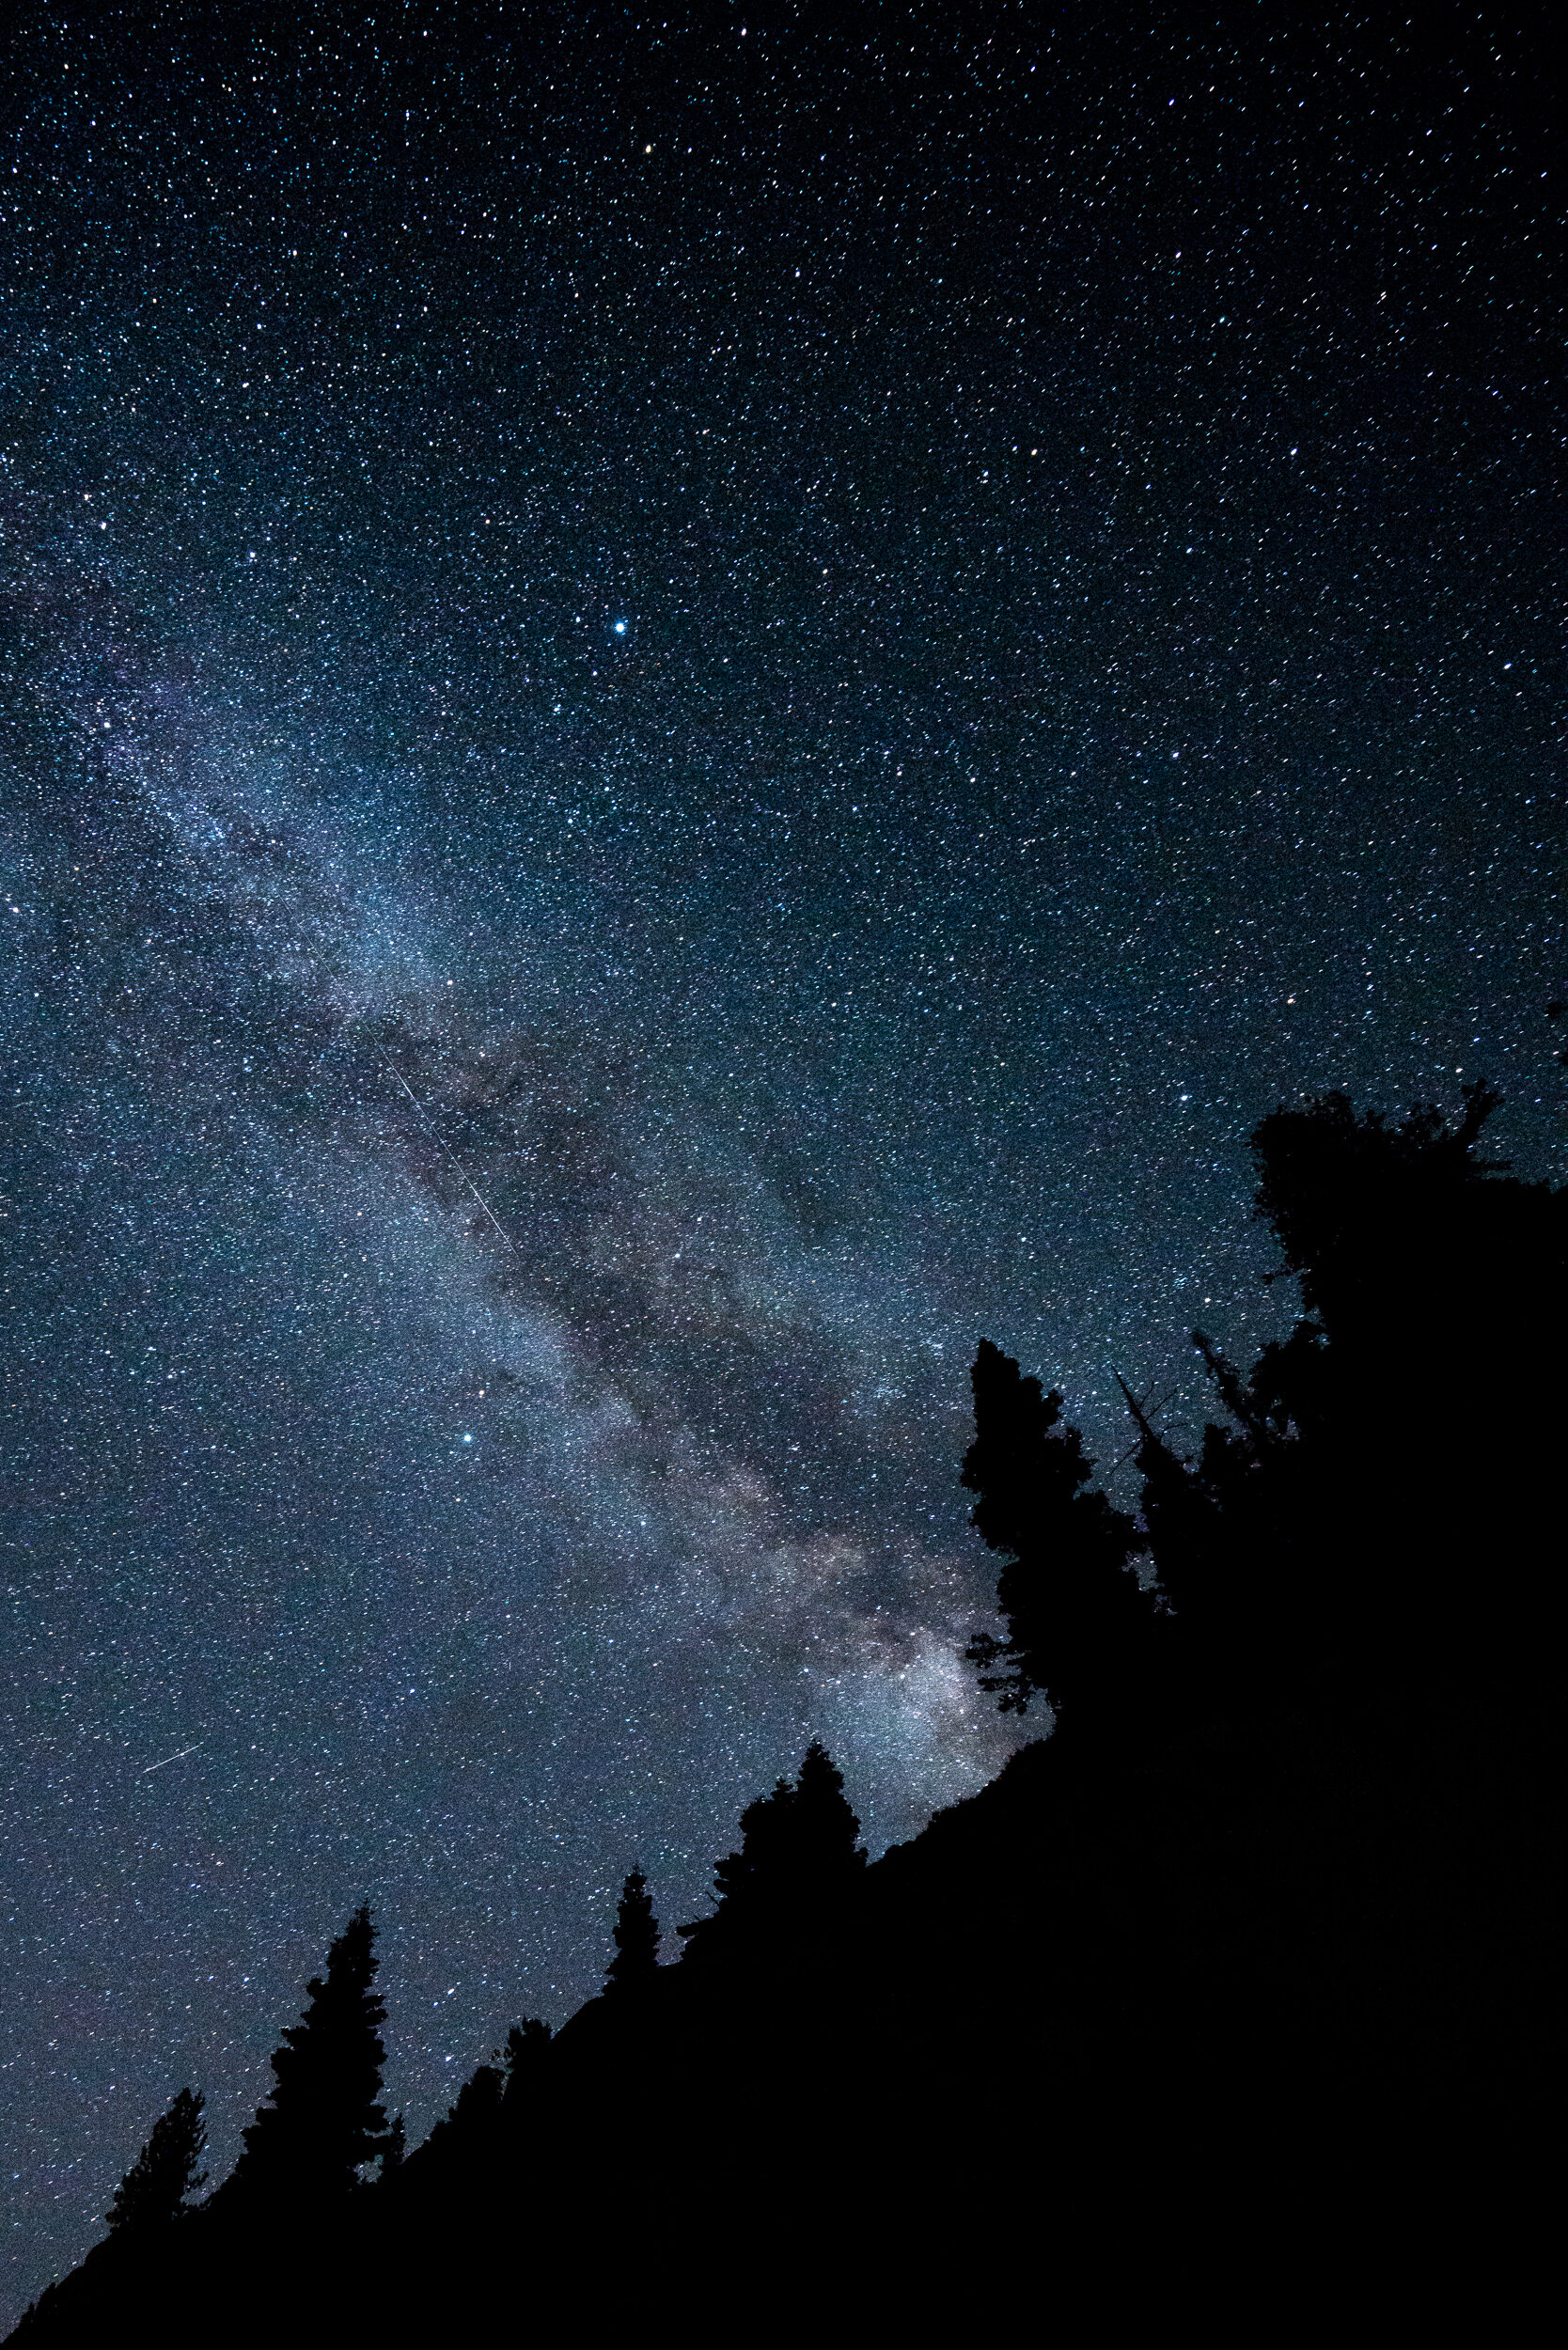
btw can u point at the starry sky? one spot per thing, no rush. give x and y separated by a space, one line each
692 708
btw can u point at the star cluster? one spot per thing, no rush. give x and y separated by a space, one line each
690 709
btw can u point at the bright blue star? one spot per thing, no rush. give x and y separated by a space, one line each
620 628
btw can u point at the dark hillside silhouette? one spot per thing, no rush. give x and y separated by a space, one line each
524 2055
394 2147
472 2128
1236 1989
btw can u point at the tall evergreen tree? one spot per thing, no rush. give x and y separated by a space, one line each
164 2174
325 2122
637 1937
1078 1623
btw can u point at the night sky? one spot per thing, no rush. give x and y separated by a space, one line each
691 710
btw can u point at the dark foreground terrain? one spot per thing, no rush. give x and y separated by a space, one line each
1251 2010
1230 2005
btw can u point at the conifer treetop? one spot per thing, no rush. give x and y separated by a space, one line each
157 2188
325 2122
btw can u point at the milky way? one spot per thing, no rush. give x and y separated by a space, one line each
689 714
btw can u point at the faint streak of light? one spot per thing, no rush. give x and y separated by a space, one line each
172 1757
463 1176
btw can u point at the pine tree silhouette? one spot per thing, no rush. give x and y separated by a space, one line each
1351 1527
156 2188
637 1937
324 2122
799 1856
1312 1922
1078 1623
827 1832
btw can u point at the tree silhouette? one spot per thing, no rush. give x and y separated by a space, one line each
164 2174
1077 1621
1309 1920
1437 1287
826 1831
1351 1527
325 2122
637 1937
799 1855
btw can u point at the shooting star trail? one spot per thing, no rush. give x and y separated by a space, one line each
441 1143
172 1757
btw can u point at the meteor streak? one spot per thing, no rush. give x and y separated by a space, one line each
463 1176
